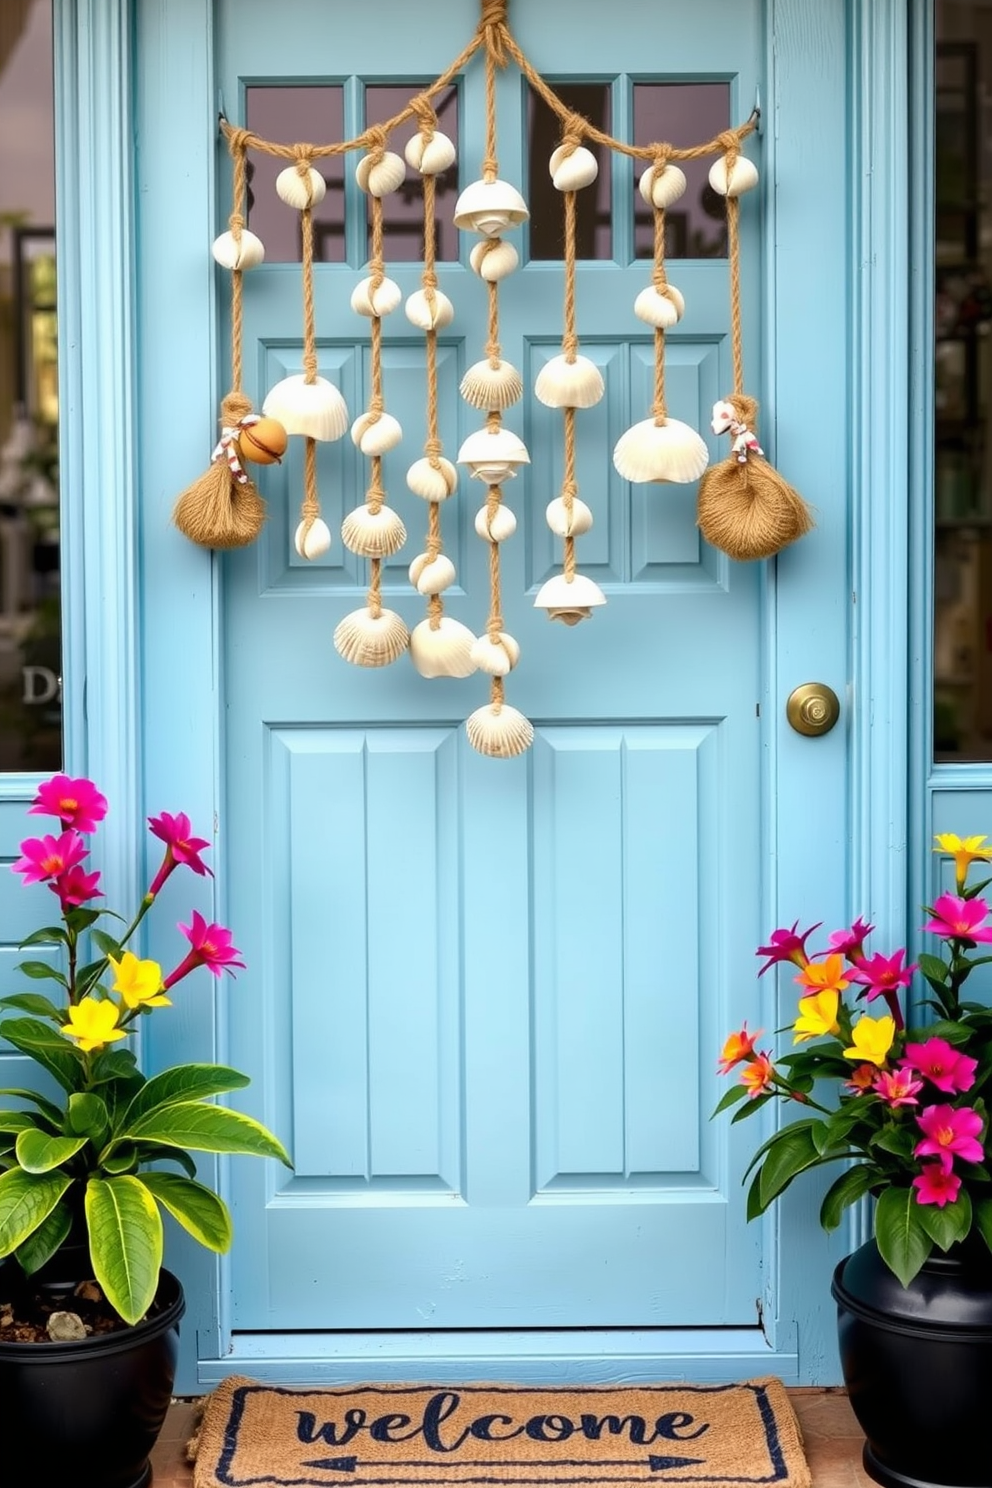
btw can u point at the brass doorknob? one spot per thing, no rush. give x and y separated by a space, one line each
813 708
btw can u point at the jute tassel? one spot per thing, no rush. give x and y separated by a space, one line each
222 508
745 508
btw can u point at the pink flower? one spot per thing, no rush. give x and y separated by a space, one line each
936 1185
897 1087
950 1132
211 947
77 803
850 942
180 846
960 919
786 945
48 857
882 974
941 1064
75 886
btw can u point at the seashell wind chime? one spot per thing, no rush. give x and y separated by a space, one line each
745 508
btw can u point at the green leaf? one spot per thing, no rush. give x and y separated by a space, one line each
107 944
18 1121
113 1064
951 1223
33 1002
954 1033
730 1098
153 1152
123 1157
755 1208
205 1128
46 1047
48 1108
184 1082
26 1200
87 1117
898 1140
982 1220
80 919
936 971
902 1241
197 1209
42 1245
47 935
844 1191
750 1108
125 1243
37 1152
793 1152
41 971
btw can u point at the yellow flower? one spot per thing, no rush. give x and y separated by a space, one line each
93 1023
872 1039
824 976
964 851
817 1014
138 982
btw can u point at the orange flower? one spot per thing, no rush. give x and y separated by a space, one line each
758 1075
739 1046
824 976
862 1078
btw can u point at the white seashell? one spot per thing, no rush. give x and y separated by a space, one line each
570 172
300 191
564 384
432 575
429 313
232 255
569 601
444 650
660 188
380 301
659 310
315 409
496 658
499 731
493 259
743 176
490 206
493 454
375 435
315 542
671 451
432 482
369 640
556 514
373 534
488 388
430 156
499 527
380 178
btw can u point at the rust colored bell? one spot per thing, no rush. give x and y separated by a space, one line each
264 441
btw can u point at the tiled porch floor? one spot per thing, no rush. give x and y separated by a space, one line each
831 1435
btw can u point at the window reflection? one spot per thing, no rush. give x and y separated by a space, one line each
593 224
683 114
286 114
403 210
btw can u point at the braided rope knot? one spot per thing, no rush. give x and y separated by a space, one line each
238 139
376 142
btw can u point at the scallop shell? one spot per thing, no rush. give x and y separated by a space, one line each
743 176
490 206
557 517
247 254
379 301
496 658
300 191
671 451
432 482
429 313
313 542
499 731
493 259
499 527
660 310
375 435
493 454
569 601
373 534
660 188
315 409
369 640
432 575
564 384
444 650
487 387
430 156
570 171
380 177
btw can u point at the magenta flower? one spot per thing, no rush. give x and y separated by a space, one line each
950 1132
936 1185
75 886
180 846
882 974
897 1087
48 857
960 919
850 942
77 803
786 945
211 947
941 1064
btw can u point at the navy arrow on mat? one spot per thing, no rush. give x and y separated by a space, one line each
658 1464
334 1464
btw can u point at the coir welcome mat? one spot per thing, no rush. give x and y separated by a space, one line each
498 1434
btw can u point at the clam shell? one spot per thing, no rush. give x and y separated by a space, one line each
316 542
557 517
671 451
315 409
496 658
490 206
382 177
232 255
570 172
427 315
499 731
569 601
493 259
444 650
373 534
564 384
502 525
660 188
369 640
430 156
493 454
432 482
487 387
742 178
374 436
380 301
432 575
659 310
300 191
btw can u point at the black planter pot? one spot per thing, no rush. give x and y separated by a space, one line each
87 1414
917 1363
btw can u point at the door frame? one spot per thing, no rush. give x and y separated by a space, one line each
137 595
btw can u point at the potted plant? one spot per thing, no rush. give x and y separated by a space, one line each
905 1109
89 1317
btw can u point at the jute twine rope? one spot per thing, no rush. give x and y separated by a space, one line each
433 446
310 507
570 348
